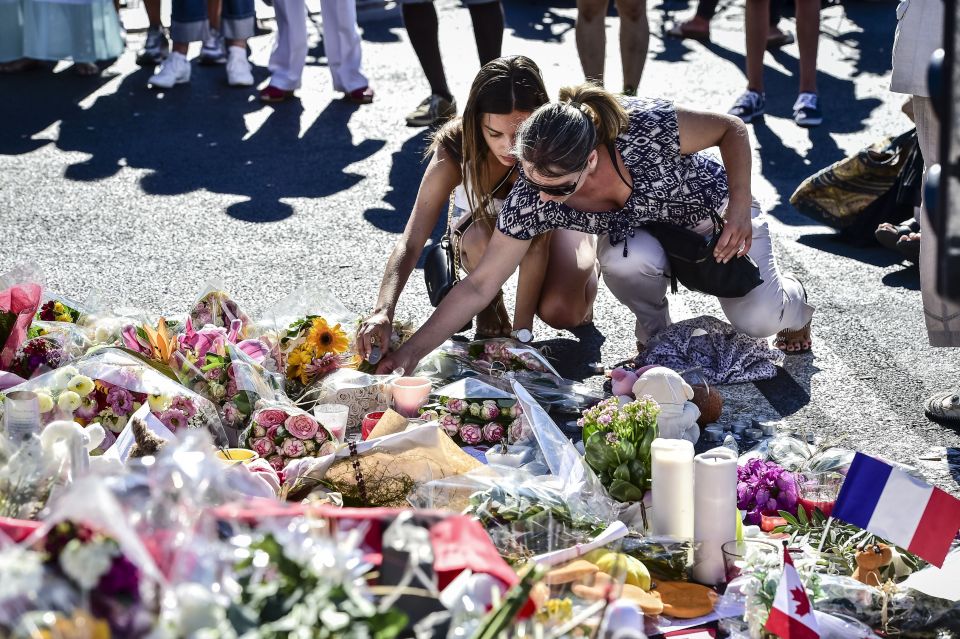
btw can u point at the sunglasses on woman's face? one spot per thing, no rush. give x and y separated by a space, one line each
557 190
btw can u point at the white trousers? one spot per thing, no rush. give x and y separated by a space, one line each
341 40
640 282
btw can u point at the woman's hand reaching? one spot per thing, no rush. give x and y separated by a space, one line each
402 361
737 235
374 331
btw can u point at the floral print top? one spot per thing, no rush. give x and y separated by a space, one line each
667 186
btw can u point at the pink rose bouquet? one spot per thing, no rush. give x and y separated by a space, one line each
472 422
281 433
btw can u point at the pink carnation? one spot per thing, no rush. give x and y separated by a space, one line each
271 417
493 432
293 448
457 406
471 434
263 446
174 419
302 426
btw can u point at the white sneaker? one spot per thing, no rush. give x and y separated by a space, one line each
238 68
174 70
213 50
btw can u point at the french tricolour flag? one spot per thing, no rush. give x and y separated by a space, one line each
893 505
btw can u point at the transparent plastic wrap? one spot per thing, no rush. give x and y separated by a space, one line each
383 471
27 475
231 375
57 308
473 412
215 306
796 455
281 433
20 295
362 392
50 345
109 385
313 334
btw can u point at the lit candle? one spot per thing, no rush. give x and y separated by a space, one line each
714 522
409 394
672 480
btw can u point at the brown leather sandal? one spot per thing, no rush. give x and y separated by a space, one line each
788 337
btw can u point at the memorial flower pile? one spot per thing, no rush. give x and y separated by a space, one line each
510 355
282 433
58 311
471 422
312 348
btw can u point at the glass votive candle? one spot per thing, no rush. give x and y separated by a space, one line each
737 553
818 491
410 394
369 423
713 433
333 417
21 414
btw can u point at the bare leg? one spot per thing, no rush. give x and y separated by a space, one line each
634 41
152 8
213 13
757 27
570 285
533 271
591 37
808 37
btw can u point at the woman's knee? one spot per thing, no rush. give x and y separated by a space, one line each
645 256
758 325
590 10
561 313
631 10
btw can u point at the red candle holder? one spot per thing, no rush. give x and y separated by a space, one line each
770 520
369 421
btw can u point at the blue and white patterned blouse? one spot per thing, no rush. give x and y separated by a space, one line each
667 186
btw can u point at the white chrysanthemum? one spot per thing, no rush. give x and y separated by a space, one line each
22 572
62 376
86 563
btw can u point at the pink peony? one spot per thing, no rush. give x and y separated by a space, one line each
471 434
493 432
271 417
457 406
450 424
231 388
272 432
302 426
232 415
489 411
293 448
321 435
263 446
277 462
429 415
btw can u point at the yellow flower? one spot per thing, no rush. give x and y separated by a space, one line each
325 339
63 318
158 402
45 402
58 308
81 385
297 363
80 626
68 401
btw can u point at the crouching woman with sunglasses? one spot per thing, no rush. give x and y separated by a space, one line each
605 165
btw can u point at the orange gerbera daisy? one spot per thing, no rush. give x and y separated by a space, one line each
326 339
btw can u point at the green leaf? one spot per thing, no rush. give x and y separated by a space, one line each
389 624
627 450
624 491
622 472
599 454
802 516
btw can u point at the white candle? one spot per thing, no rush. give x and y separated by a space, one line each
672 480
333 417
409 394
714 522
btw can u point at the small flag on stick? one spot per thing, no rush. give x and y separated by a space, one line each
791 616
904 510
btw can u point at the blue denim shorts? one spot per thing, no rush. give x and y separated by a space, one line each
465 3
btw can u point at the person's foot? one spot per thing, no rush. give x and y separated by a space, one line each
434 110
86 69
695 28
806 110
944 407
16 66
174 70
778 39
494 320
909 246
363 95
749 106
214 50
795 341
155 50
239 71
888 234
273 94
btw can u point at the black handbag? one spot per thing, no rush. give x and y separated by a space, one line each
440 268
693 265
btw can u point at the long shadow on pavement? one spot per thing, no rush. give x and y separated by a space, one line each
201 136
537 19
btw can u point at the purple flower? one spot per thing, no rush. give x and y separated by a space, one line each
182 403
762 486
88 410
471 434
516 429
174 419
493 432
121 580
430 415
120 401
232 415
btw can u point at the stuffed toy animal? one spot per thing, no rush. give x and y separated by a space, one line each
678 415
870 559
623 380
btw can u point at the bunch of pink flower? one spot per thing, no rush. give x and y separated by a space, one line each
509 355
474 422
280 434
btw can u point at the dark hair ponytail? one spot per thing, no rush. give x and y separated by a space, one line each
558 138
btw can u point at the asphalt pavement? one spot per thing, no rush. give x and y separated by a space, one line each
128 196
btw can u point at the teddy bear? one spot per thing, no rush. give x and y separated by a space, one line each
870 559
678 415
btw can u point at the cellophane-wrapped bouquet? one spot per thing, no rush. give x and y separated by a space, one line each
281 433
109 385
215 306
50 345
475 422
